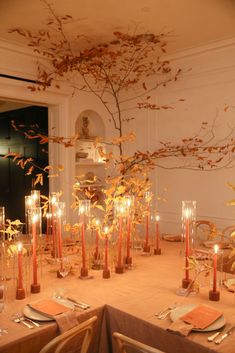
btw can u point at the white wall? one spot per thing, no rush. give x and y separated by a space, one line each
64 109
207 88
207 85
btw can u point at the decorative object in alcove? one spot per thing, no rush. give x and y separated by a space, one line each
85 128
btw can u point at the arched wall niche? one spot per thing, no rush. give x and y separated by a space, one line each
96 126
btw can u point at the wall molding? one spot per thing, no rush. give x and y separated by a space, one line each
203 49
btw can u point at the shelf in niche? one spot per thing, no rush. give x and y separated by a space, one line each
88 163
95 185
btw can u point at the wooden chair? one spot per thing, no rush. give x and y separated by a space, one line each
127 344
205 230
228 233
77 339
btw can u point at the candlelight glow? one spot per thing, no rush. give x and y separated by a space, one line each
29 201
216 248
34 196
19 247
81 209
34 218
59 213
48 215
157 218
188 213
53 200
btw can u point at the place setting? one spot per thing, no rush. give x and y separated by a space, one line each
197 318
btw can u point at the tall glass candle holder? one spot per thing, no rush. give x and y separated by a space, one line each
60 216
53 202
106 270
148 197
20 291
129 207
120 214
29 204
35 194
84 214
48 229
35 230
157 249
95 245
188 222
216 257
2 242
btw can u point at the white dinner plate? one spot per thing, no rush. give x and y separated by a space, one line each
172 237
223 244
35 315
182 310
230 284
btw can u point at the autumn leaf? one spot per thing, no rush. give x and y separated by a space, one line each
39 179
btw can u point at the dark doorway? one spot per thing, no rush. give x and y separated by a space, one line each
14 184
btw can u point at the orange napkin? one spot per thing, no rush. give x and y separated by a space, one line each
180 327
202 316
49 307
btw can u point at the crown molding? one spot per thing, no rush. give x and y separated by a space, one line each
194 51
203 49
16 47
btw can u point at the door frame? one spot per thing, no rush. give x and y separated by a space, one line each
58 124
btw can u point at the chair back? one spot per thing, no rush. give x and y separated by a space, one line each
127 344
205 230
77 339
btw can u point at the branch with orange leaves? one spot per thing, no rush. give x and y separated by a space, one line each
30 166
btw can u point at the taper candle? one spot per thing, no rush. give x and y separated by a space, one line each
216 248
119 262
34 236
187 215
97 223
106 271
20 292
157 250
20 270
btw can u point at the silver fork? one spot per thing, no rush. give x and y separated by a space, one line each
2 331
24 322
163 314
18 317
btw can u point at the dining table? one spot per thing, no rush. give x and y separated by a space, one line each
126 303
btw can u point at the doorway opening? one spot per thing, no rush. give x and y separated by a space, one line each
14 183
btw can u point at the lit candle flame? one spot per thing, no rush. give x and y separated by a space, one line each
157 218
19 247
82 209
34 218
188 213
29 201
216 248
53 200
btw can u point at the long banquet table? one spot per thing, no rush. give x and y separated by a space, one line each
125 303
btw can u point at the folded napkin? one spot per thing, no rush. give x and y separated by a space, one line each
180 327
198 318
66 321
202 316
49 307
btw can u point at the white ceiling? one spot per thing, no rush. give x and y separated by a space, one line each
193 22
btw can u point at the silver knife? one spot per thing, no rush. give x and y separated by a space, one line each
226 334
79 304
